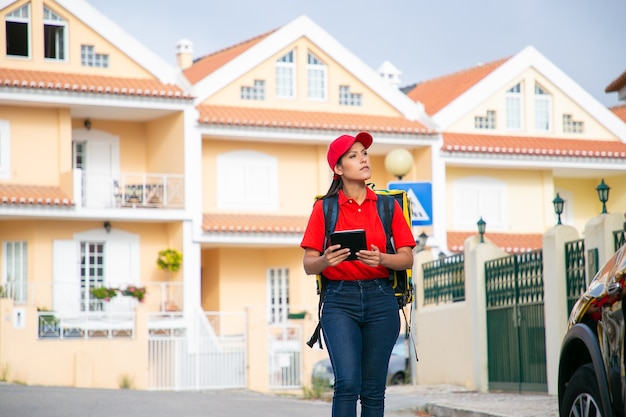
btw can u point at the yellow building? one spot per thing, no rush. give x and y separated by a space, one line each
108 156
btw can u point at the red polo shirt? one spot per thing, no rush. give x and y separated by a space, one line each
354 216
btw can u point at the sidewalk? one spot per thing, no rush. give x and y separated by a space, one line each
454 401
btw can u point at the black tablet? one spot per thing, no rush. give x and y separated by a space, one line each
353 239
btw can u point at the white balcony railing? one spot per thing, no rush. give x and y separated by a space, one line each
133 190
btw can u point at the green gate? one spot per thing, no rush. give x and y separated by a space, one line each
575 271
516 346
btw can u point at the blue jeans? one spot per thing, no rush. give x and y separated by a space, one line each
360 324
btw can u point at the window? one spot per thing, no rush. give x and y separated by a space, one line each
89 58
317 78
5 142
476 197
254 93
542 109
91 274
79 155
514 107
278 295
17 31
346 98
572 126
286 76
14 271
247 180
486 122
54 35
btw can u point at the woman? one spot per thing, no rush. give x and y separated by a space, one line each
360 320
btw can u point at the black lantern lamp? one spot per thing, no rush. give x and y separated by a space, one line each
481 229
558 206
107 226
603 194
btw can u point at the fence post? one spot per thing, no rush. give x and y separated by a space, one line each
599 240
476 254
555 296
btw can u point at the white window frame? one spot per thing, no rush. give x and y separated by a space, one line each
277 295
572 126
543 110
247 180
317 78
17 16
476 197
514 107
15 270
286 76
5 149
60 39
487 122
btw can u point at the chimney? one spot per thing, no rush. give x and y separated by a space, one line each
390 74
184 53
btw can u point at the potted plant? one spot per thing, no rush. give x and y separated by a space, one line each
103 293
169 260
138 292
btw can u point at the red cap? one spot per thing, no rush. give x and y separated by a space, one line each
343 143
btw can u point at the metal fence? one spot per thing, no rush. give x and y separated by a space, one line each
575 271
285 356
444 280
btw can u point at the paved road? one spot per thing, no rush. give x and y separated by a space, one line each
402 401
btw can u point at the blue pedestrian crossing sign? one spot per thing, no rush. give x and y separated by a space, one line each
421 196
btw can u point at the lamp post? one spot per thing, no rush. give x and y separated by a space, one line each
398 162
558 206
603 194
481 229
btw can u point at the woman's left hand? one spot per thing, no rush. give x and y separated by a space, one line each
370 257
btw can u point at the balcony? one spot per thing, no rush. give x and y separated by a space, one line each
130 190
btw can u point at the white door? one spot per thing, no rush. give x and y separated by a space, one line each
97 154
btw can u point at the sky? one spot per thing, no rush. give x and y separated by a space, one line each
424 39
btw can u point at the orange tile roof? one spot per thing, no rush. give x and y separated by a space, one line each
616 84
82 83
537 146
33 195
209 63
253 223
619 111
437 93
508 242
250 224
272 118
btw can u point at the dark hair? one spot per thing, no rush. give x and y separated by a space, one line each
334 188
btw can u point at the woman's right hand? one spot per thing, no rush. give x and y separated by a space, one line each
334 255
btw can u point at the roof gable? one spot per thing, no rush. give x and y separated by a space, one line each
437 93
503 73
121 39
251 55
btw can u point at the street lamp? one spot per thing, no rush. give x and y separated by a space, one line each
481 229
603 194
398 162
558 206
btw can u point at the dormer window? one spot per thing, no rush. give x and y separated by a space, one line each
17 29
317 73
286 76
543 107
54 35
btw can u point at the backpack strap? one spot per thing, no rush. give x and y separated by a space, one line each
385 205
330 209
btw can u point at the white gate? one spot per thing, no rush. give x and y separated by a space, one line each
285 356
209 355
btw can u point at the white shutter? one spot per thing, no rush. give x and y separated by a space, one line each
121 270
66 277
